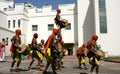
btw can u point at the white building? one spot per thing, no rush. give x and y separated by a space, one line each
86 18
39 20
100 17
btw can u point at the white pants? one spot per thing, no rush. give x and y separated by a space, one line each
2 57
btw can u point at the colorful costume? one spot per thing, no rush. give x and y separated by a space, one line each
16 40
61 23
81 54
91 53
34 52
41 53
52 52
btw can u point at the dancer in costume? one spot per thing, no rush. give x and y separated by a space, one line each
34 51
51 51
16 41
91 53
42 49
57 18
81 54
61 23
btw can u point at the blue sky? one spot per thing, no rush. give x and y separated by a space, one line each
40 3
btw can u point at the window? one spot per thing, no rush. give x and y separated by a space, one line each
34 27
102 4
19 23
68 27
103 27
13 23
8 23
102 16
5 9
50 27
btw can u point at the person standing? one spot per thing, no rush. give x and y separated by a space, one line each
3 45
16 40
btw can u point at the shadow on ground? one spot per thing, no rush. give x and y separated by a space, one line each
84 73
48 72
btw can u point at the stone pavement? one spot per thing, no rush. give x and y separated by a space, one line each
70 67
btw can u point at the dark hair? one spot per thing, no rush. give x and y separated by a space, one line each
3 39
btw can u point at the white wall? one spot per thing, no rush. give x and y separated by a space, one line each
110 41
82 11
3 19
113 16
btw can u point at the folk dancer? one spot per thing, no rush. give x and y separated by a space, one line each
16 40
62 54
57 18
91 53
81 54
51 50
42 49
34 51
61 23
59 46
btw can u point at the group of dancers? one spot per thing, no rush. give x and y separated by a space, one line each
93 52
52 49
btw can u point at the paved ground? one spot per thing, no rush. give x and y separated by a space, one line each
70 67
